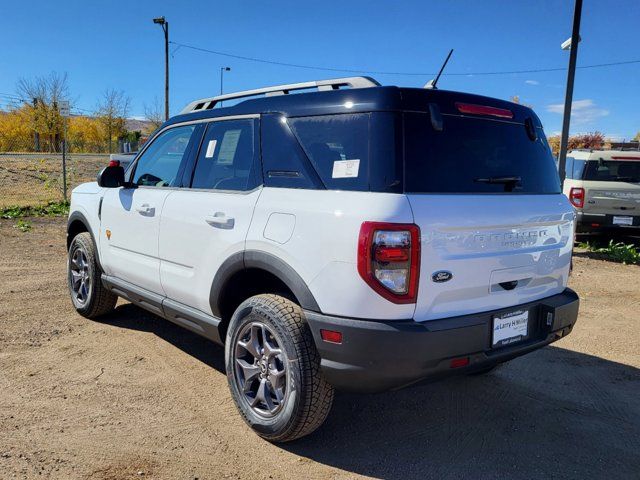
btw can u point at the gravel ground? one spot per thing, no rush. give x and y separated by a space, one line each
133 396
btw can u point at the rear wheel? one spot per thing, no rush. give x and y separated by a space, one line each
273 369
90 298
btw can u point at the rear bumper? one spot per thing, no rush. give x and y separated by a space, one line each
599 223
376 356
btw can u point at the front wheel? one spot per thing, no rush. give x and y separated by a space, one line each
90 298
273 369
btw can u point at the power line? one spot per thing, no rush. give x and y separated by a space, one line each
12 100
380 72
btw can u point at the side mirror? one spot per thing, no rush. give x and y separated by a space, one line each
111 177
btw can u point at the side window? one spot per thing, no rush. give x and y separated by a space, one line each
578 169
226 160
338 147
159 165
569 167
284 163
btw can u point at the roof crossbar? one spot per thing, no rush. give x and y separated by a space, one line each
321 85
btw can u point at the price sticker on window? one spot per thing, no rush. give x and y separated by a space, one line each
345 168
211 149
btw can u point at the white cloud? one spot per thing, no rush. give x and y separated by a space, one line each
532 82
615 137
583 112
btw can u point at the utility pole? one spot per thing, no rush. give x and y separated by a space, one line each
568 99
165 27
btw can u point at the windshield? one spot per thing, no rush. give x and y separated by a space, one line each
611 170
476 155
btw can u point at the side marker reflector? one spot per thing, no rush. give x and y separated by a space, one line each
459 362
331 336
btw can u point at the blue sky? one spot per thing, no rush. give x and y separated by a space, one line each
114 44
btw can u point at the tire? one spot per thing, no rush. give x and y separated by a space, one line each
89 297
290 381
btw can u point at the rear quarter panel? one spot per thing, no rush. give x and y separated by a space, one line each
321 245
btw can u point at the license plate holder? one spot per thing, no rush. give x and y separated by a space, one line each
509 328
620 220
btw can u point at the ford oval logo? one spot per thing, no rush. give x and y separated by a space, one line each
441 276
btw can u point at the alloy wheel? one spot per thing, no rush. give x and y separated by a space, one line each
261 369
80 276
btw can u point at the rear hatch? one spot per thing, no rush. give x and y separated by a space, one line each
612 187
485 193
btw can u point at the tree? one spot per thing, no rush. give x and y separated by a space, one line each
154 114
16 131
85 134
637 137
45 93
585 140
112 113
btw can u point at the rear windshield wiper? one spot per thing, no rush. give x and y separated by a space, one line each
509 182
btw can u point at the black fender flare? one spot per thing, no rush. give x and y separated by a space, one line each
262 261
79 217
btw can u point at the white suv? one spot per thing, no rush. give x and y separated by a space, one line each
604 188
361 238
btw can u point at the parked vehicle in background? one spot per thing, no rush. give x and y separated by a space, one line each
604 188
360 238
125 159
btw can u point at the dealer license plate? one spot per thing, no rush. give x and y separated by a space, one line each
510 327
623 220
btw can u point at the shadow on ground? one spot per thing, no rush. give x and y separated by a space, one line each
554 413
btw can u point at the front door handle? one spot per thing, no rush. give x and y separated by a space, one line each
220 220
146 209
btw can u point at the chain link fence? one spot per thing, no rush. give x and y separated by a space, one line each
35 179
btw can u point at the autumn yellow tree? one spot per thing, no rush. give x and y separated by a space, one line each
44 94
16 133
85 134
112 113
587 140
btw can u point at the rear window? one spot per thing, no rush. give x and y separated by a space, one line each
476 155
607 170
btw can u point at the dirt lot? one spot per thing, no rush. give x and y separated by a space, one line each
133 396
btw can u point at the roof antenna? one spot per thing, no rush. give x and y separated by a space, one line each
431 84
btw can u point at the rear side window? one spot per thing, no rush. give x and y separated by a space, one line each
226 160
575 168
476 155
338 147
352 151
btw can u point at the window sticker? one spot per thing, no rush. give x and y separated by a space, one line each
211 149
345 168
228 147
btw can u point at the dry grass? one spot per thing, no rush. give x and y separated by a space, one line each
36 179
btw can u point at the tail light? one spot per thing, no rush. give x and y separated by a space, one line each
389 259
483 110
576 197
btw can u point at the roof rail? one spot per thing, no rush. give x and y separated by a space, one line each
321 85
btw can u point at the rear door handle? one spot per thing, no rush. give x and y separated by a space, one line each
220 220
146 209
